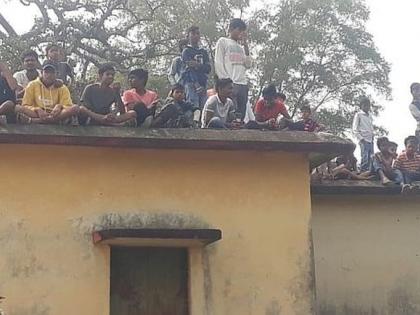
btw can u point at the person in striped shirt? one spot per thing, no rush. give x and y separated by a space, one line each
408 162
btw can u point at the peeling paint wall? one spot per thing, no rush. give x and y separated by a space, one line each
54 197
367 255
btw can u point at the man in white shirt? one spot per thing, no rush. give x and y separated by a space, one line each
29 73
231 62
415 106
363 131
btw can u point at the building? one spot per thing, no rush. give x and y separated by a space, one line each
157 222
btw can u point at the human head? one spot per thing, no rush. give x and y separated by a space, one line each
193 34
306 112
365 104
415 90
53 52
270 94
48 74
106 74
411 145
182 44
178 92
138 78
392 149
237 28
381 143
224 87
30 60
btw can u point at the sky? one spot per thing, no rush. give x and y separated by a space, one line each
395 30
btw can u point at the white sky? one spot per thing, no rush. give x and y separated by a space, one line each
394 25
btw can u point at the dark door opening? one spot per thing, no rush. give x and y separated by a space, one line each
149 281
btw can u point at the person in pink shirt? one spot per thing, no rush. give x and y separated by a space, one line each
140 99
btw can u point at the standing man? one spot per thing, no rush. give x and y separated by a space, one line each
196 69
174 71
54 57
231 62
363 131
29 73
415 106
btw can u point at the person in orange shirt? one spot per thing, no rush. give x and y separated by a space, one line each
44 102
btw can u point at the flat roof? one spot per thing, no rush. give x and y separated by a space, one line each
202 139
353 187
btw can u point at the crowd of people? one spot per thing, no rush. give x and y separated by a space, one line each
40 94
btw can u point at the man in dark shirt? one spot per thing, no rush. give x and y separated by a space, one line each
101 104
196 69
54 57
8 86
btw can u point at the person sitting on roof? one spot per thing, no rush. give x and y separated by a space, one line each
8 87
307 123
44 102
101 104
177 113
408 162
383 163
269 109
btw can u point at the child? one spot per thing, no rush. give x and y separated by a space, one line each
219 110
269 108
196 69
54 57
30 71
177 113
307 123
98 100
231 62
8 86
383 163
45 103
363 131
140 99
408 162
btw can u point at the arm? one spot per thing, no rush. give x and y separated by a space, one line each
120 104
248 59
64 97
172 71
355 128
206 66
219 60
415 112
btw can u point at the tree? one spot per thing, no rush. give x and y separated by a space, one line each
319 51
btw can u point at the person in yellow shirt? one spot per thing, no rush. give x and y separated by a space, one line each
44 102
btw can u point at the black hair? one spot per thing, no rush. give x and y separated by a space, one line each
411 139
177 87
222 83
269 91
392 144
51 46
192 29
414 86
29 53
140 74
104 68
382 141
306 108
364 101
182 44
237 23
282 96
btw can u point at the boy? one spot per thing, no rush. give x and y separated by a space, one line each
363 131
307 123
219 110
98 100
232 60
140 99
383 163
54 56
408 162
177 113
30 71
45 103
415 105
269 108
8 86
174 71
196 69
